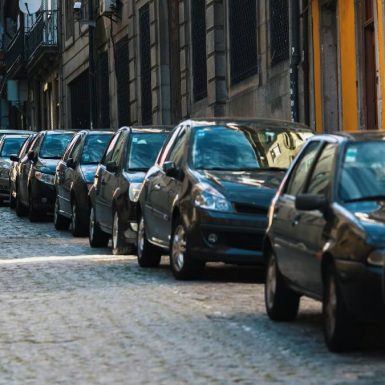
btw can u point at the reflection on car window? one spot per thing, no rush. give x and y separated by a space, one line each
363 171
53 146
11 146
94 148
143 150
243 148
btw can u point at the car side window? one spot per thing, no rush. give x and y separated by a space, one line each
110 149
75 153
67 153
167 146
298 177
36 143
119 149
177 151
321 178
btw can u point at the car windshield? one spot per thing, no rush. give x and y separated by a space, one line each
362 174
242 148
11 146
94 148
54 145
143 150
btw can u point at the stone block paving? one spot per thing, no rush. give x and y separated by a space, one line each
70 314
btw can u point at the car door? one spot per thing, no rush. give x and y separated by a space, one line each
285 215
311 227
109 181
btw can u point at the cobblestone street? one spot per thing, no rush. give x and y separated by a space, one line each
69 315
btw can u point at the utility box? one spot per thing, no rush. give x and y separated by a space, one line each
107 7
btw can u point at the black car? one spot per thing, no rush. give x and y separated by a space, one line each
74 177
35 181
9 145
15 167
118 180
207 196
326 237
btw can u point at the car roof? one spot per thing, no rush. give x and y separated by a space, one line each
255 123
6 136
13 131
55 132
352 136
147 129
95 132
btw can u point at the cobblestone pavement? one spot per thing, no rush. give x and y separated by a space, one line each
73 315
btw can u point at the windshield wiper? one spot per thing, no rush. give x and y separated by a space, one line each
371 198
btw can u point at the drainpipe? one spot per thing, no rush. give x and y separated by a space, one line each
305 45
91 68
295 57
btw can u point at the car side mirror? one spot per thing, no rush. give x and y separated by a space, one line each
112 167
14 158
70 163
31 155
171 170
309 202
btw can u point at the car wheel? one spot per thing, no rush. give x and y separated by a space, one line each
12 199
280 301
182 265
21 210
60 222
34 215
78 227
341 330
148 254
119 245
96 236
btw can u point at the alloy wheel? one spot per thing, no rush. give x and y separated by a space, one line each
179 248
141 237
271 282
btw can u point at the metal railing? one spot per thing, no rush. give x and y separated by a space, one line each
43 33
15 50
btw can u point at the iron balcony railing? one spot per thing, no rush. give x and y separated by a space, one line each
43 33
15 50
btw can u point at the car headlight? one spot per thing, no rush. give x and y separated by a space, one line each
206 197
45 178
376 258
134 191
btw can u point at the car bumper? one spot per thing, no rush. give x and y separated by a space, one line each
4 187
227 237
361 287
43 195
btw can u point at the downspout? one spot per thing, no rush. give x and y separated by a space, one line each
295 57
305 66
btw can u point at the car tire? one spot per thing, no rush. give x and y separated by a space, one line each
12 199
148 254
341 330
34 215
182 265
78 226
60 222
21 210
119 245
281 302
96 236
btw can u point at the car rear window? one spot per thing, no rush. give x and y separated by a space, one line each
143 150
53 146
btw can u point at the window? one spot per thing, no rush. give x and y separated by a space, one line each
122 77
198 33
108 154
70 146
54 146
11 146
296 183
279 30
177 152
243 39
80 109
69 12
94 147
76 150
321 178
119 149
145 64
104 91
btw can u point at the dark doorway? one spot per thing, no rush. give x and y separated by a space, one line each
80 109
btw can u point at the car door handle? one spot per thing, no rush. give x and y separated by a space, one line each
296 221
157 186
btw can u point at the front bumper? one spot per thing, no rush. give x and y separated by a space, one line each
43 195
227 237
361 287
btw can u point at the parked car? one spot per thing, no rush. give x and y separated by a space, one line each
118 180
326 236
74 177
13 131
15 166
9 145
35 180
207 196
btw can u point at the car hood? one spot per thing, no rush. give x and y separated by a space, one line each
47 166
251 187
88 171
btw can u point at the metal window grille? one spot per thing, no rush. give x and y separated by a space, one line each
243 39
80 109
104 91
279 30
198 32
122 76
145 61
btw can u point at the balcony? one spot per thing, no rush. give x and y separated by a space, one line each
14 58
41 41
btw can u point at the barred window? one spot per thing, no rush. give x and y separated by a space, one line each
104 91
198 32
279 30
243 39
122 76
145 64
